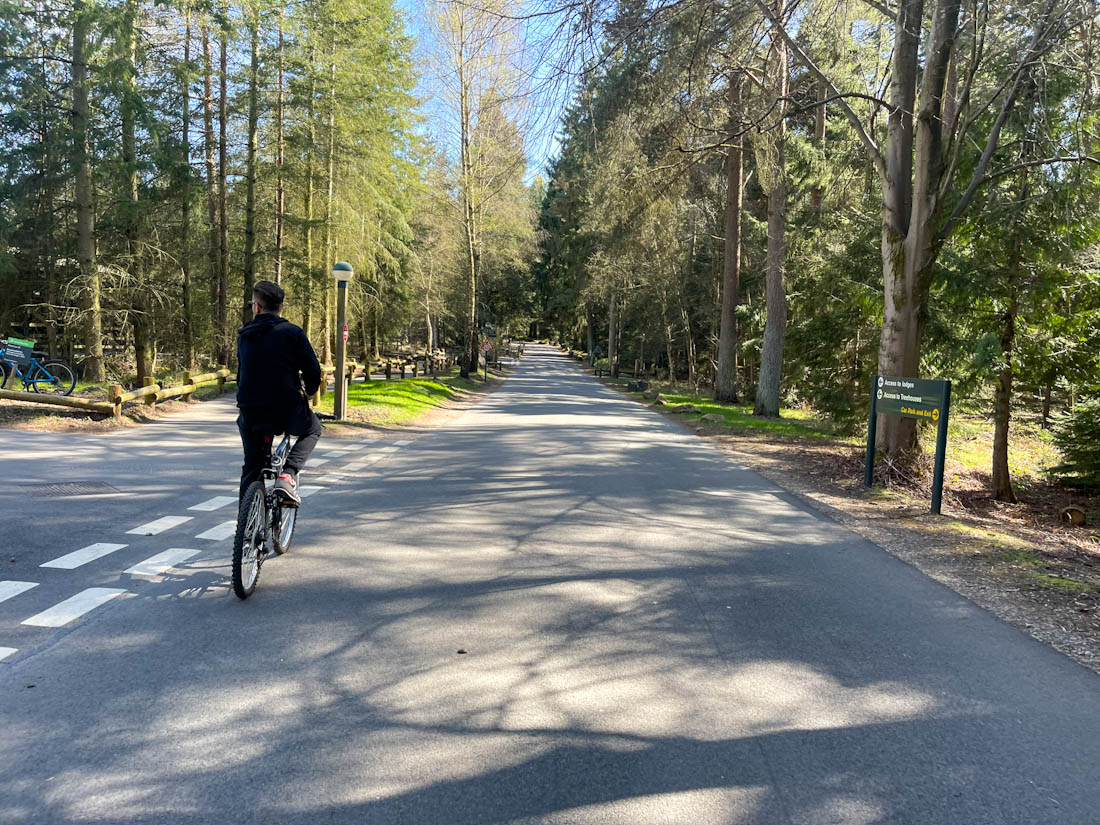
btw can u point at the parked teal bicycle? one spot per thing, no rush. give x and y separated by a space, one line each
18 358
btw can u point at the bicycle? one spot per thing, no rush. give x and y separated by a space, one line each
265 521
15 359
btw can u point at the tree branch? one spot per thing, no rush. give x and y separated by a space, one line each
868 142
1037 45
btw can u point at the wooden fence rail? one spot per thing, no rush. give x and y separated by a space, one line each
59 401
151 393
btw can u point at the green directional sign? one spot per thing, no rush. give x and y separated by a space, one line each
921 398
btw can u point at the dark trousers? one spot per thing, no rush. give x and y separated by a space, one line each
257 448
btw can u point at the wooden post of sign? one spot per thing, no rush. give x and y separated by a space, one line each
941 449
872 431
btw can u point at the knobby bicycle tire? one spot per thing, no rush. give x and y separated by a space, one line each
284 533
248 541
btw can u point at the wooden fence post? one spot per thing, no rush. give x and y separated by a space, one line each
415 365
116 401
221 378
186 380
389 371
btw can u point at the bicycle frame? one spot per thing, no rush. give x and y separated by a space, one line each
46 376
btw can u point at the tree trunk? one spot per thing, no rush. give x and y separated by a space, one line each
185 200
307 226
250 167
280 161
47 210
82 195
330 151
1002 411
725 379
469 359
775 325
590 324
140 310
224 351
613 335
1002 400
209 150
912 199
670 340
819 139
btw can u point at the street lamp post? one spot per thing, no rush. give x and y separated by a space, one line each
343 273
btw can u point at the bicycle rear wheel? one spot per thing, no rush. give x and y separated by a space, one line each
285 519
6 370
52 378
248 543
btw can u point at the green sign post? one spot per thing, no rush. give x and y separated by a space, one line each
921 398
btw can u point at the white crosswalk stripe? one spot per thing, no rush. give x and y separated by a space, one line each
220 532
5 652
215 503
10 589
155 565
73 608
73 560
405 442
159 525
336 453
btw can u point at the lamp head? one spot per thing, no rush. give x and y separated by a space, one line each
342 272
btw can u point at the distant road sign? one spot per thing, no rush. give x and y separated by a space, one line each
486 346
345 333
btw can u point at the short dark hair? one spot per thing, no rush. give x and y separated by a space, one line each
268 295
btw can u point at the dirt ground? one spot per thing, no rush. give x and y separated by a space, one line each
1019 561
18 415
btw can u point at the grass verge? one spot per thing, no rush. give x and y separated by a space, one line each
397 402
792 423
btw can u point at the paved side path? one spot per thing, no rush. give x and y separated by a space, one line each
648 633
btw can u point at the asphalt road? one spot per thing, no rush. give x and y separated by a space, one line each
650 633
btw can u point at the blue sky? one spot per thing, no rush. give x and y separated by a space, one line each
545 107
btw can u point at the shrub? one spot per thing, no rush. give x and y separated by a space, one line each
1077 435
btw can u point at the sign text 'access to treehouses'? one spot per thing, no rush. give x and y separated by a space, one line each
910 397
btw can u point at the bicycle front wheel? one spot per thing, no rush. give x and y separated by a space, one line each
248 543
285 517
52 378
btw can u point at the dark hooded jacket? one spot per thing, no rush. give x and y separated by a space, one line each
277 373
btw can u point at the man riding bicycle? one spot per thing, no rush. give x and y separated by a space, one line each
277 372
